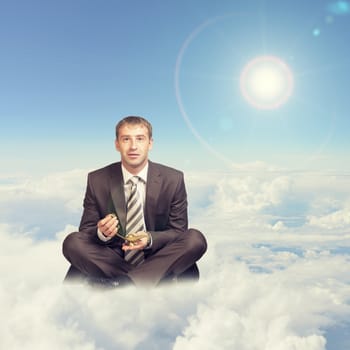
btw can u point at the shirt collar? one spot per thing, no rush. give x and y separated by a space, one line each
142 174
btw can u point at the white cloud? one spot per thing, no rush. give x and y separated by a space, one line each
249 193
67 186
44 205
335 220
273 200
230 307
303 289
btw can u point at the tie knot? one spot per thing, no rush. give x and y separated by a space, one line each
133 181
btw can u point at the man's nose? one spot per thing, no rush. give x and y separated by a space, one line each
133 143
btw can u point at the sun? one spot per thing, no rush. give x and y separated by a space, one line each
266 82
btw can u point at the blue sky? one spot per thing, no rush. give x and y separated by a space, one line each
270 188
70 69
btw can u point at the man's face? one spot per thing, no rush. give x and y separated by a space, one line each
133 144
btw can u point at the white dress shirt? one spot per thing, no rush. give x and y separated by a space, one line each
141 188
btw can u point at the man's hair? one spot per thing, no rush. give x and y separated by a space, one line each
134 120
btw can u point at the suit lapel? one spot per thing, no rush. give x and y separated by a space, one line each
154 182
117 194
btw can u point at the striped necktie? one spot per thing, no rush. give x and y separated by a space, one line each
134 220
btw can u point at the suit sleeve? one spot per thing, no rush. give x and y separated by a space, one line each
176 220
93 212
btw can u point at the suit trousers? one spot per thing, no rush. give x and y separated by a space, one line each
175 259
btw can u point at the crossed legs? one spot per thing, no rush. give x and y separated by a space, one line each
89 259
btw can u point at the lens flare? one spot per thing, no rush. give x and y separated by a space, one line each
266 82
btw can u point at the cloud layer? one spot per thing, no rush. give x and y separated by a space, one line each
275 275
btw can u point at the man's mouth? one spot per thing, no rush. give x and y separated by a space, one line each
133 155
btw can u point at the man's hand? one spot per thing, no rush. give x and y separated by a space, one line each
136 241
108 225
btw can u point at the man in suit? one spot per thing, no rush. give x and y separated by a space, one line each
155 196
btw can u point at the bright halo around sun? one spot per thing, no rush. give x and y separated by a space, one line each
266 82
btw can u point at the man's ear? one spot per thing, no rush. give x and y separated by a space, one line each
116 144
150 144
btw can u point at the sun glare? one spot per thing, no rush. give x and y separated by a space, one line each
266 82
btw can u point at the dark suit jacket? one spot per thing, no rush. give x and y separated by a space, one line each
165 209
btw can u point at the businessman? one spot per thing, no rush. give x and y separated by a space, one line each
134 226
